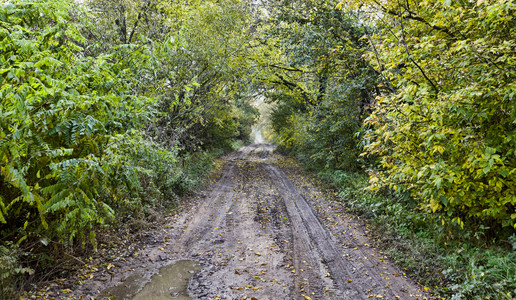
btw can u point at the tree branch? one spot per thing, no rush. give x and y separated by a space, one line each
287 68
292 86
140 14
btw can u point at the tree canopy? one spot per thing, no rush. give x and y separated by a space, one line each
444 127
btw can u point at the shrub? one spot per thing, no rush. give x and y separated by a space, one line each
446 133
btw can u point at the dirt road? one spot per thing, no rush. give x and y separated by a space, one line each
263 231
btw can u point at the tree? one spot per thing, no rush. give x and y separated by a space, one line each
446 132
321 82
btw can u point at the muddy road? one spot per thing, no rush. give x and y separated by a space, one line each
260 231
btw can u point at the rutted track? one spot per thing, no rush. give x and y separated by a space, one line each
262 231
352 278
212 212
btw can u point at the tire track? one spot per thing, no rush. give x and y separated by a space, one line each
212 212
355 272
311 241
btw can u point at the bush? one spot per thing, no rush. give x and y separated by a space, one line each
458 263
446 133
59 113
12 270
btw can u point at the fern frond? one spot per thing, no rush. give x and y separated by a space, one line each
41 210
52 189
85 197
16 179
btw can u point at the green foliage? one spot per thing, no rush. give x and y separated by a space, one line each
199 82
454 262
447 131
322 84
439 138
11 269
103 123
58 111
145 176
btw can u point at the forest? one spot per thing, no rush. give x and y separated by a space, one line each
113 110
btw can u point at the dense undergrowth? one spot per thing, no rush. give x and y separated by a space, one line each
474 262
154 189
414 100
110 111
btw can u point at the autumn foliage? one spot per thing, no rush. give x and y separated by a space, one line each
444 126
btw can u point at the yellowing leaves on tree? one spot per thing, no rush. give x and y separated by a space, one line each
446 116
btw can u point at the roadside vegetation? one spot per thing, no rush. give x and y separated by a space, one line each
450 261
407 107
111 110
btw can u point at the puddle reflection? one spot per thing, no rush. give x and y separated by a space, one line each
170 283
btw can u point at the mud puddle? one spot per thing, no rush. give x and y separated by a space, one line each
171 283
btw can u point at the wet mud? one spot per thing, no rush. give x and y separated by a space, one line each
260 231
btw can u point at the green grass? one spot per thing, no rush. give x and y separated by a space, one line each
474 262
